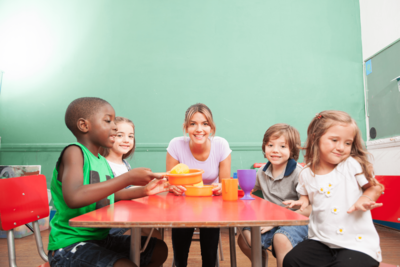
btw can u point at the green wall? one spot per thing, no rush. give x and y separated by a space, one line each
254 63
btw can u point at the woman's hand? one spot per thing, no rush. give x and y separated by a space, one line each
217 190
156 186
177 189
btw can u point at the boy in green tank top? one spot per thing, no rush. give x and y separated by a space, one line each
83 181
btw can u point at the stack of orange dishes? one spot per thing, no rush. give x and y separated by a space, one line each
198 191
194 176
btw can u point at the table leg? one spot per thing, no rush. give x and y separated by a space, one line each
162 237
135 245
232 246
256 246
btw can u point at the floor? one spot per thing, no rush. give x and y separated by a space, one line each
27 255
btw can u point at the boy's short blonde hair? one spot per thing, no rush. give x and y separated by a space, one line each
290 133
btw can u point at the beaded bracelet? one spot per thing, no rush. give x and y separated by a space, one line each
367 197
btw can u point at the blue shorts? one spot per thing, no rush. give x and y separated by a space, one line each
295 234
99 253
118 231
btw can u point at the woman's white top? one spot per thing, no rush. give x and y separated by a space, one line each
331 195
179 149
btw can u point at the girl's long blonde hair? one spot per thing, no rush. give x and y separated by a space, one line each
319 126
104 151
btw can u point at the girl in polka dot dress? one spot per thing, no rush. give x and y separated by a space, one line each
339 183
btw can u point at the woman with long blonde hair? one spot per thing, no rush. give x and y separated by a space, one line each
202 150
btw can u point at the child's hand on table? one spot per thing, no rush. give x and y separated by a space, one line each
265 229
177 189
300 204
217 190
143 176
156 186
364 204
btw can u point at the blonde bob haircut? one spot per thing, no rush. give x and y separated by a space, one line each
319 126
291 135
104 151
203 109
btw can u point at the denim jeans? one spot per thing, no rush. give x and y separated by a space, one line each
295 234
99 253
118 231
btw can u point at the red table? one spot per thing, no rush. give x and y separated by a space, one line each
169 211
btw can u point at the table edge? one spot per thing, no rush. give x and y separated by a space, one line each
185 224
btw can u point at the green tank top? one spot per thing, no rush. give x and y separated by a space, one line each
95 170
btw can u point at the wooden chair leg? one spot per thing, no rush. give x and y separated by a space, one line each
11 248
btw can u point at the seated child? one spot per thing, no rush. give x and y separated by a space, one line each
83 181
338 182
278 180
122 149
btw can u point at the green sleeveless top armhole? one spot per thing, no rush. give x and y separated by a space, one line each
95 170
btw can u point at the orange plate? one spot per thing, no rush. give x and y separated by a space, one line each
194 176
198 191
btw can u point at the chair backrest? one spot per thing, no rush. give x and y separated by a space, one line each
22 200
258 193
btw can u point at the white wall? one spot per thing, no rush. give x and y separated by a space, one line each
380 24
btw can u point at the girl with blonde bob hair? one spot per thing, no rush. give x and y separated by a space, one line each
338 182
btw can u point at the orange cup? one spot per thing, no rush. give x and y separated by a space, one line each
230 189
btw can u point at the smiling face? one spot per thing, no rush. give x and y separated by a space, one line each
102 126
198 129
125 139
277 150
335 145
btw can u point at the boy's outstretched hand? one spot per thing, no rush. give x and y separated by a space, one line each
364 204
143 176
156 186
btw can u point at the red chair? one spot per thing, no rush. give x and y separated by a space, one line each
258 165
23 200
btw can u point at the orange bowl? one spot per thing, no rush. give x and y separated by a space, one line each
194 176
198 191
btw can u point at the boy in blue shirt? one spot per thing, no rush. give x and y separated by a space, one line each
82 182
278 180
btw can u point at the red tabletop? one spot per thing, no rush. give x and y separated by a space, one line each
168 210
